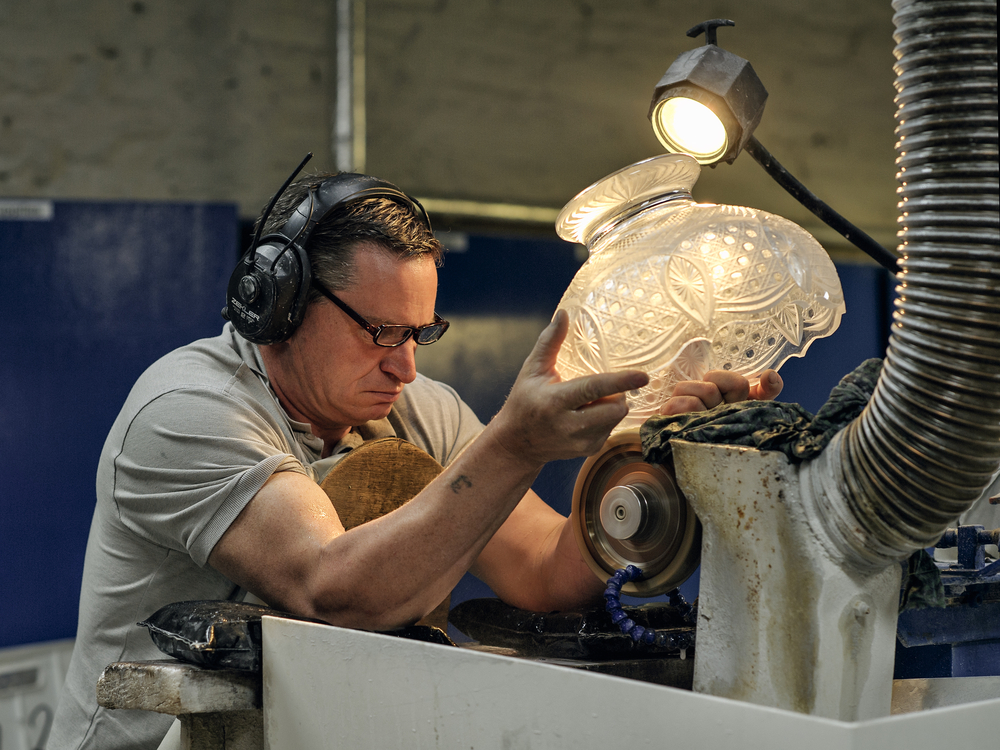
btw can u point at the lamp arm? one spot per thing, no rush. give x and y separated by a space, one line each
886 258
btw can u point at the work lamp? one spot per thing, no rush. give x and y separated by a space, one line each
708 102
707 106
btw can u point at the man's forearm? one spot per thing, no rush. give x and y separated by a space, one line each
533 561
431 541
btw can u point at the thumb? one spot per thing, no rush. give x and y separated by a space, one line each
768 388
543 356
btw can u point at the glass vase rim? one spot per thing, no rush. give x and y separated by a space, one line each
625 193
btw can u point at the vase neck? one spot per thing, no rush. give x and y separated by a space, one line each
677 197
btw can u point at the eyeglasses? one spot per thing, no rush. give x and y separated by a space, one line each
390 335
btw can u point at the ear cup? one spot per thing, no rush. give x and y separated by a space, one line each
266 296
267 292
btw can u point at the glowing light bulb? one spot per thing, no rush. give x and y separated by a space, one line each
689 127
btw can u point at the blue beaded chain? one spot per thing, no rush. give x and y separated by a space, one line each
628 626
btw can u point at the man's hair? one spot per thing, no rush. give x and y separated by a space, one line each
383 222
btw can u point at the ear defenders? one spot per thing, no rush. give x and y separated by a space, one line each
267 292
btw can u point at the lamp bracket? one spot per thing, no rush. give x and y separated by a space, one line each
709 29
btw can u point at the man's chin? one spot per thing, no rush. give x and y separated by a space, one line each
376 412
373 406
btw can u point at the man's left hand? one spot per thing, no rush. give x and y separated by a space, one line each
718 387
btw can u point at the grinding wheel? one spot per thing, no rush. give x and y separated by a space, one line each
629 512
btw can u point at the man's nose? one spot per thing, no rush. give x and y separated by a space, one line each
401 361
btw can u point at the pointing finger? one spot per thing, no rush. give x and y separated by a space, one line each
591 388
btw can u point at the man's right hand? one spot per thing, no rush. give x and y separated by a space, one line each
546 418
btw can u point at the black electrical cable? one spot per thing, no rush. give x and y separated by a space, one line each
886 258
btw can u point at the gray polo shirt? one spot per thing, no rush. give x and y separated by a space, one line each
199 435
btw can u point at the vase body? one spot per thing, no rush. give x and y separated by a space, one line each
677 288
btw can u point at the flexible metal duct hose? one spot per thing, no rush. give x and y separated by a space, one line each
929 441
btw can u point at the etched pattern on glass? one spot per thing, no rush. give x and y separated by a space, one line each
679 288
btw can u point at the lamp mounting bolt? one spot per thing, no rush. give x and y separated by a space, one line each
709 29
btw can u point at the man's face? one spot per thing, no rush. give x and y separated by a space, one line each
334 376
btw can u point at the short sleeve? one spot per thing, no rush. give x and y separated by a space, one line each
432 416
191 460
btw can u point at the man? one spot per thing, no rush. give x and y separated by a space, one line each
207 485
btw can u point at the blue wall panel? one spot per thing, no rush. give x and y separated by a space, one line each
506 275
88 300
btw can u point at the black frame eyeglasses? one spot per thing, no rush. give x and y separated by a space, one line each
389 335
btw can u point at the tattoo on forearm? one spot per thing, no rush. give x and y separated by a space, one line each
460 484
